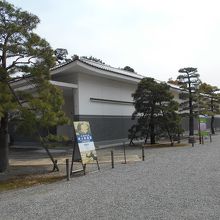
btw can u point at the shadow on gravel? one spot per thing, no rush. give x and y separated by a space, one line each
22 176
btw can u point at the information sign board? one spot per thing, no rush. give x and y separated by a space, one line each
85 141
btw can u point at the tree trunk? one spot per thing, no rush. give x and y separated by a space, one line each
4 144
152 126
145 141
212 125
170 137
178 138
191 126
191 119
152 135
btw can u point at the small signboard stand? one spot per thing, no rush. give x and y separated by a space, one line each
203 132
76 157
83 147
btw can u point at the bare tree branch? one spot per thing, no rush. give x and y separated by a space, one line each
25 62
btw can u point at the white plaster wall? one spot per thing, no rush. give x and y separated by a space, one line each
175 93
69 93
68 106
97 87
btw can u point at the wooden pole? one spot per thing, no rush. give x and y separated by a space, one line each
143 156
210 137
67 170
97 162
124 153
112 159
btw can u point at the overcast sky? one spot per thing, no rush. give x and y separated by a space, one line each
155 37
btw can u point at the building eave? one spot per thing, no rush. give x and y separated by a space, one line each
95 70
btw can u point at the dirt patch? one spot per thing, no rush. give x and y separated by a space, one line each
28 180
24 181
26 176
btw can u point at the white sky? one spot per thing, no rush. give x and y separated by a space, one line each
155 37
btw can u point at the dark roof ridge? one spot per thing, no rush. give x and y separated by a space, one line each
115 70
99 66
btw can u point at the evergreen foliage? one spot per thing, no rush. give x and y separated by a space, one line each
93 59
61 55
155 111
189 82
26 56
210 102
129 69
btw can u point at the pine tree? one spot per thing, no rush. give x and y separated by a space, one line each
170 120
25 55
152 103
188 81
211 102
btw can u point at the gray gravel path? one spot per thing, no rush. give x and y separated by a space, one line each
173 183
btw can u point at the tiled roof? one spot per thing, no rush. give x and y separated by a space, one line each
102 67
110 69
61 65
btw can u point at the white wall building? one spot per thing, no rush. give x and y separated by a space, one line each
101 95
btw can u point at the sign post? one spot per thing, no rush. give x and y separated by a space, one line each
84 148
203 132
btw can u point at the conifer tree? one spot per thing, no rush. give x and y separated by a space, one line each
154 106
188 81
25 55
211 102
170 121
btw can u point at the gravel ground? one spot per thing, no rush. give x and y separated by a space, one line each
173 183
31 160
